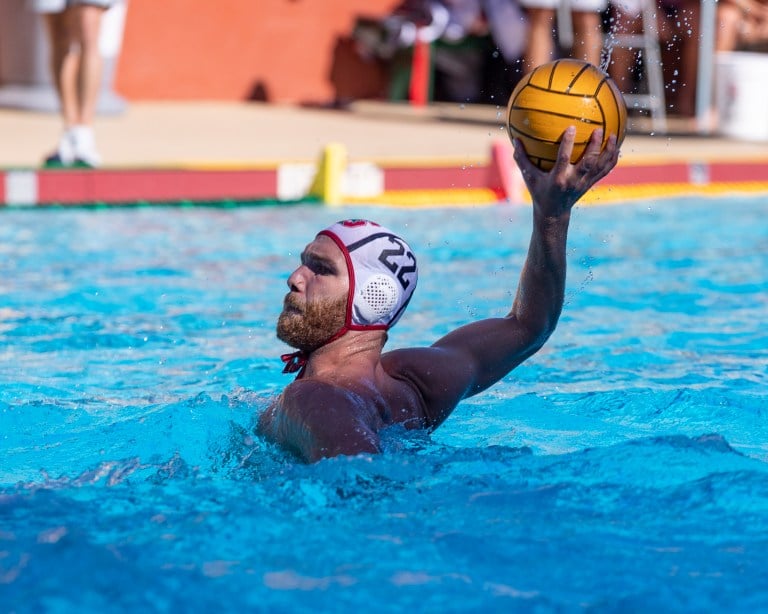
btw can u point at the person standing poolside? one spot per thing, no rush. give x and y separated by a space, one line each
73 28
354 282
542 22
742 25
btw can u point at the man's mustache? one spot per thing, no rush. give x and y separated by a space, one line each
291 302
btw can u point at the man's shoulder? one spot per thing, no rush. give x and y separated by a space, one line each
434 374
412 364
309 392
402 358
316 418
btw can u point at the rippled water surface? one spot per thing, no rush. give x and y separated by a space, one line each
623 468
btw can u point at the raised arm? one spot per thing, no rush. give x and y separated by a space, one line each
539 297
477 355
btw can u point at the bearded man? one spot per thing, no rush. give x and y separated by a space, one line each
353 284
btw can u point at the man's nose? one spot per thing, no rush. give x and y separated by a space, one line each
296 280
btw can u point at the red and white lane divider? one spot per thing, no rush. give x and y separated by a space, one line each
334 180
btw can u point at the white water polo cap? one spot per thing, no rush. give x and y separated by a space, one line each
382 273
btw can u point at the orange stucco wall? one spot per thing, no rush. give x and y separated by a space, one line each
229 49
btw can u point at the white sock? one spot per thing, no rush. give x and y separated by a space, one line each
66 147
85 145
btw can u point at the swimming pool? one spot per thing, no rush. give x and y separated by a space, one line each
624 467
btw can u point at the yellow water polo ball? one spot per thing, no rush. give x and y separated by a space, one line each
559 94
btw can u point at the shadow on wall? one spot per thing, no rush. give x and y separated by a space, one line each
355 76
259 92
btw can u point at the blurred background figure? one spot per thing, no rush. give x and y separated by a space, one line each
73 28
475 46
677 31
742 25
586 22
503 26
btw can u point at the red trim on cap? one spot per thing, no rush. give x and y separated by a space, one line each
350 274
348 324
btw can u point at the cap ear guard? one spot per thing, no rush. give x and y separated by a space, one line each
376 300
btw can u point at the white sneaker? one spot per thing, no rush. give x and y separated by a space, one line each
65 151
84 142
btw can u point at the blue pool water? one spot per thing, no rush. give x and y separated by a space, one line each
623 468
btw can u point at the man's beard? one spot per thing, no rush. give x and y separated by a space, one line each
310 326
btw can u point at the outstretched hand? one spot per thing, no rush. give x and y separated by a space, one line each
555 192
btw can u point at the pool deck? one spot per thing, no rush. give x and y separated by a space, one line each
222 141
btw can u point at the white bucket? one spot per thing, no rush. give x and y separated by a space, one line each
741 88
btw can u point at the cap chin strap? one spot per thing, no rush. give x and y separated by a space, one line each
297 361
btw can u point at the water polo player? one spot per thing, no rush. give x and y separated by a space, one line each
353 284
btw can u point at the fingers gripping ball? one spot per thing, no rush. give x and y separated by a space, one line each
559 94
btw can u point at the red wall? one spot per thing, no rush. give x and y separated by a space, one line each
225 49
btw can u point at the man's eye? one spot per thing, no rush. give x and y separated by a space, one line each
321 269
318 267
